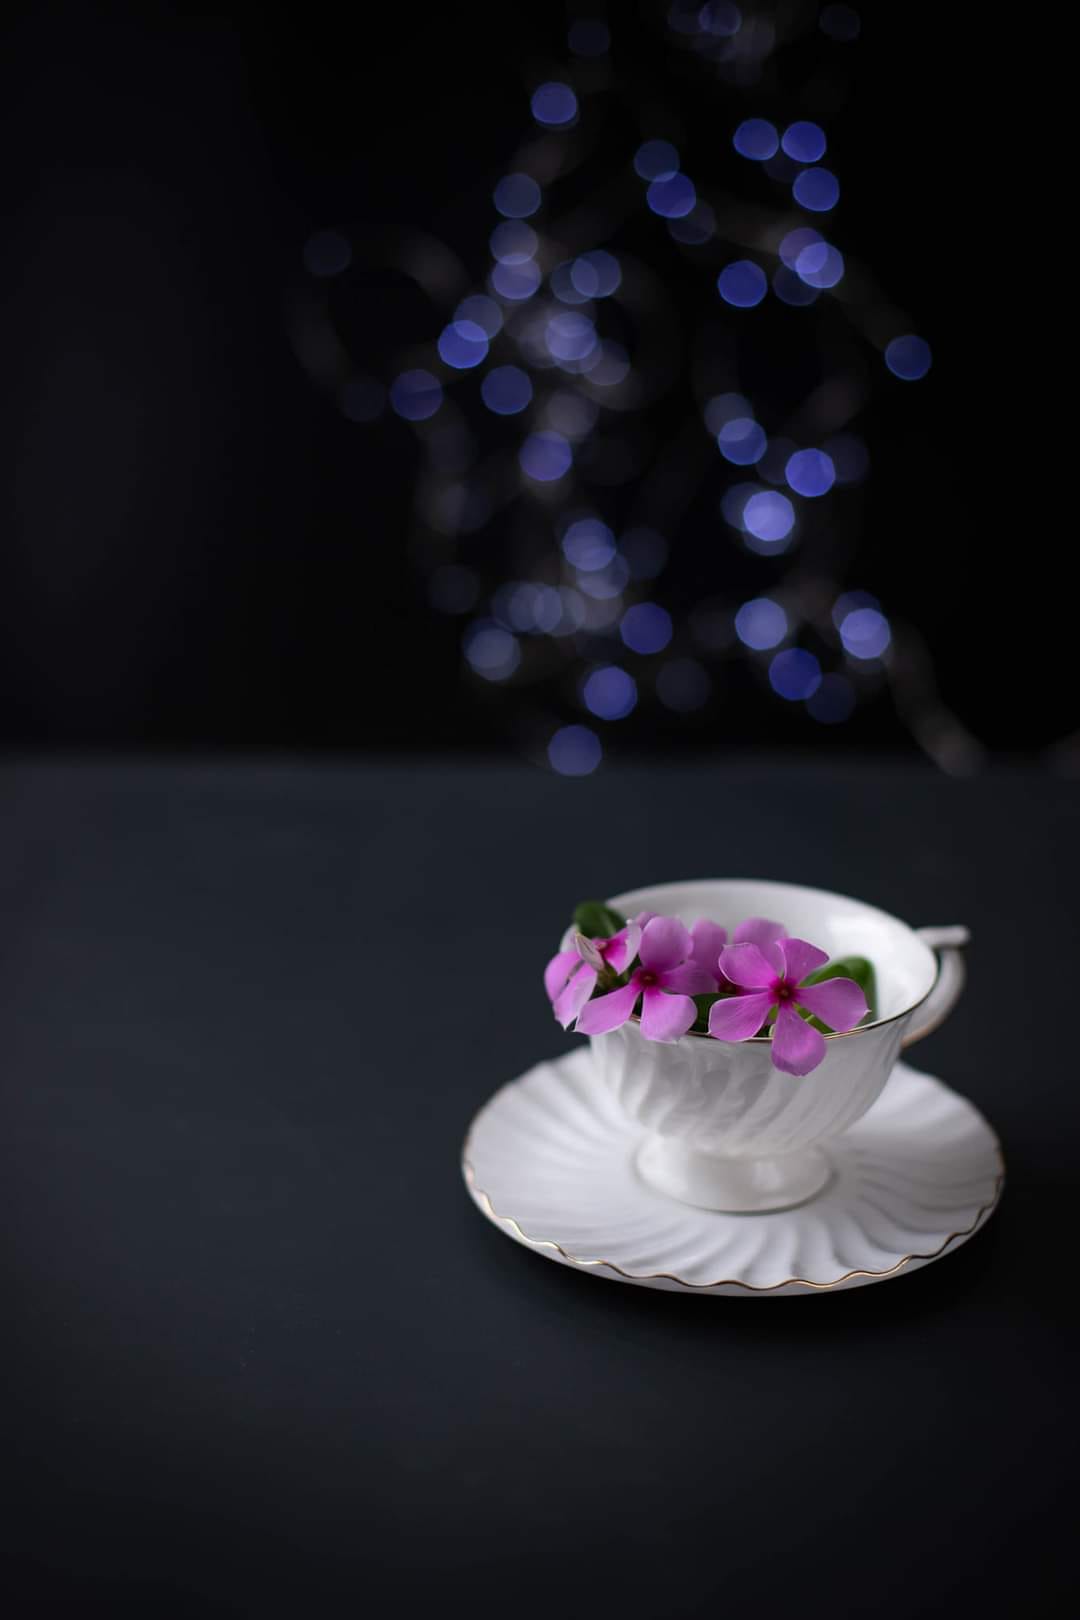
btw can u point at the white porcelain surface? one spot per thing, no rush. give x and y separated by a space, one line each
552 1160
706 1097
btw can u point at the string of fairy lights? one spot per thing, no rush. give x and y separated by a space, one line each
564 498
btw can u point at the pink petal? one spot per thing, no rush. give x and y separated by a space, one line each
608 1012
644 917
709 940
739 1017
665 942
619 951
559 970
758 931
747 966
665 1018
801 958
688 979
796 1048
574 997
838 1002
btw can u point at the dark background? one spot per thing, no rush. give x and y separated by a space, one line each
200 550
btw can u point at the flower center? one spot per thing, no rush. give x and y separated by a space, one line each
785 990
645 979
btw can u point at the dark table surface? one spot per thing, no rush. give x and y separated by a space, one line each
261 1353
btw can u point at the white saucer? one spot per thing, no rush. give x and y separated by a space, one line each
550 1160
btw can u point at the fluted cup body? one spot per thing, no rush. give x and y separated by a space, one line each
726 1128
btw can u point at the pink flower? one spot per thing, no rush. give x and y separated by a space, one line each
710 939
570 977
769 975
664 982
758 931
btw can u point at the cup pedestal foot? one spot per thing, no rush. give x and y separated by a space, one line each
732 1186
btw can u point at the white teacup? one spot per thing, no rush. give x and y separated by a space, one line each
728 1131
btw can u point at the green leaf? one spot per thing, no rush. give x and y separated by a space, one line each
597 920
845 967
700 1026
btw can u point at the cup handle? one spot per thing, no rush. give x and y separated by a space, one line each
949 943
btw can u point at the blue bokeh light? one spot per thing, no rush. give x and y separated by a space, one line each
833 702
575 751
768 516
820 265
609 692
492 651
849 601
517 196
513 242
671 196
561 282
810 473
742 284
484 311
803 236
588 545
656 160
756 139
527 607
462 345
742 441
570 336
606 584
573 612
416 395
516 282
865 632
545 457
554 104
589 36
816 189
506 390
761 624
596 274
683 685
794 674
803 141
327 253
646 627
547 609
908 357
733 502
